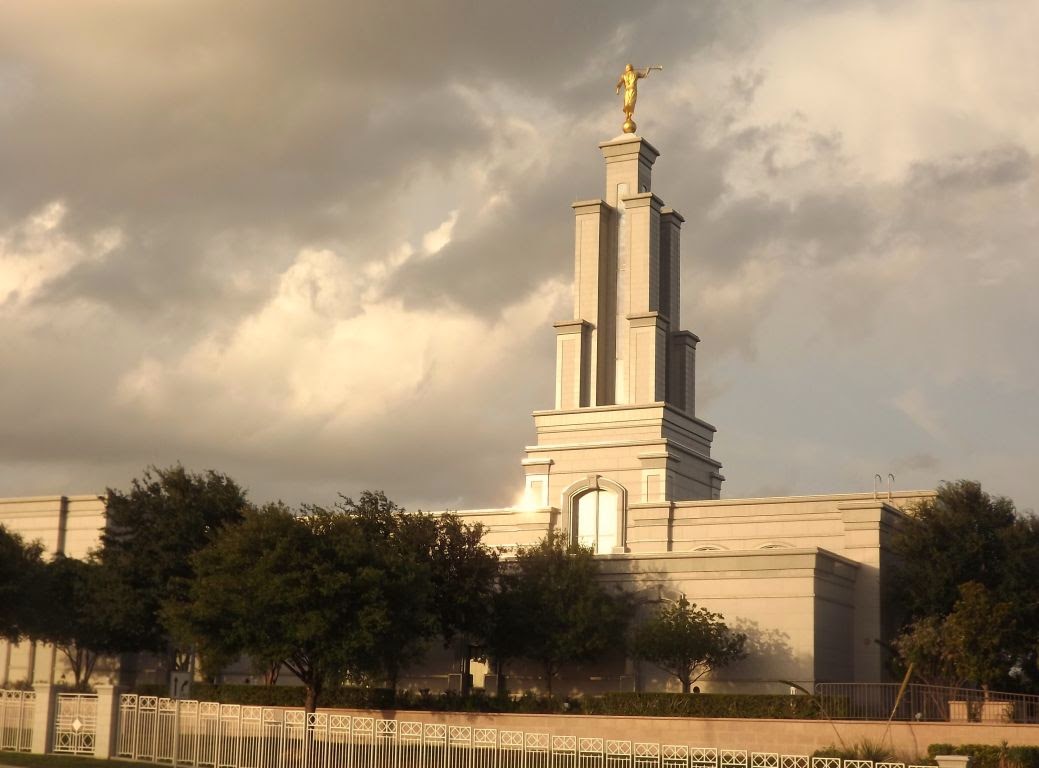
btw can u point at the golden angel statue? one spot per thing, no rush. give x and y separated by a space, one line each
629 80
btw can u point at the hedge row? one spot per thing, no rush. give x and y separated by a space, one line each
368 698
988 756
703 705
643 704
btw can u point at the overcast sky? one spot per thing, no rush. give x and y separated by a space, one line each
319 245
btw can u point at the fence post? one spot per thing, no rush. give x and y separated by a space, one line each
43 718
105 739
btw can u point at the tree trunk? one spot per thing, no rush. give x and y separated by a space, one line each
270 673
91 662
549 674
313 691
686 683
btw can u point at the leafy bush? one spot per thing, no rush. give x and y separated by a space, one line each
991 756
867 749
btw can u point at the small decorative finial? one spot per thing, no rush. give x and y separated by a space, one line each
629 80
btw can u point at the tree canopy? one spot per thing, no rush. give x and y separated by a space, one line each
152 532
69 596
687 641
20 565
966 588
349 593
553 609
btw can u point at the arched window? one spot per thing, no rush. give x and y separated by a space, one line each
595 511
596 519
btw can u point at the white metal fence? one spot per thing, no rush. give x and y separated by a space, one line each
75 723
16 712
212 735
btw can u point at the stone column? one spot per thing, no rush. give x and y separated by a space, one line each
5 668
654 476
43 718
535 492
106 738
647 365
681 385
572 364
595 294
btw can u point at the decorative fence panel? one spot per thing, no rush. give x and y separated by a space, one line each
931 703
210 735
16 713
75 723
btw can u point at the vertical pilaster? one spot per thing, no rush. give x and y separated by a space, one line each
629 162
647 362
535 491
643 213
107 720
572 364
682 371
654 476
671 265
641 349
43 718
5 667
594 293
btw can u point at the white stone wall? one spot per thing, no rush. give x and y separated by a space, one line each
69 525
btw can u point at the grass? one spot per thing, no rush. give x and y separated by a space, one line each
17 759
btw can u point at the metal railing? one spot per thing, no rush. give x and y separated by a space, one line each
199 733
75 723
875 701
16 713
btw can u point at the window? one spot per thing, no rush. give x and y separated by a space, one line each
597 521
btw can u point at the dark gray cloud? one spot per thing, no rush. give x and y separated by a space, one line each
245 188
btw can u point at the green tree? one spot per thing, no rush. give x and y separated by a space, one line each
436 577
687 641
981 631
553 609
20 564
973 644
281 588
465 576
923 645
146 548
69 596
334 595
965 537
397 612
960 535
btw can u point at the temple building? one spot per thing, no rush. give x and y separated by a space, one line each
622 463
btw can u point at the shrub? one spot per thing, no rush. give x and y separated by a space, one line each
867 749
991 756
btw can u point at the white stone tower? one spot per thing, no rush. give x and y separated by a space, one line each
623 431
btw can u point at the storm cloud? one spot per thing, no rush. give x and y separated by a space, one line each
320 245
